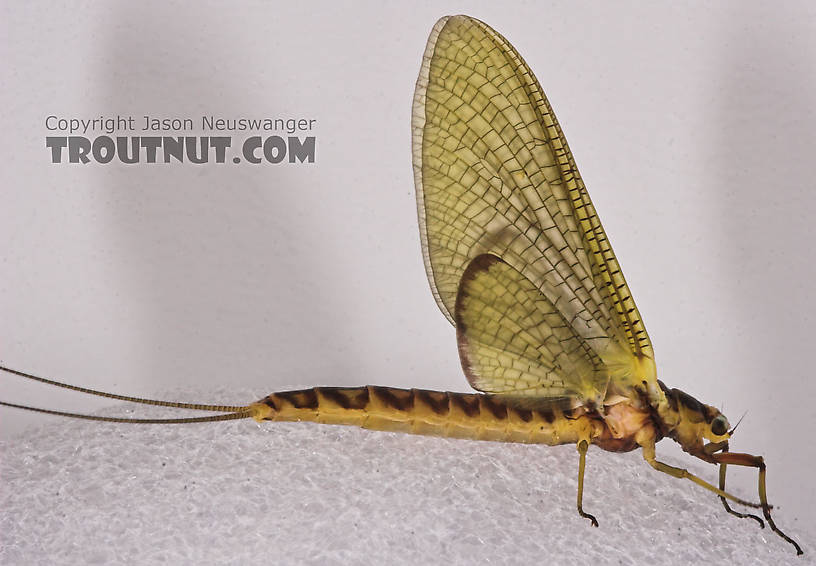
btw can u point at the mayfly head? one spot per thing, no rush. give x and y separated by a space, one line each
690 422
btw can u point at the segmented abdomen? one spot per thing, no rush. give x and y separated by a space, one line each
418 411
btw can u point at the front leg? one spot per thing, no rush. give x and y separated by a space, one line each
751 461
724 501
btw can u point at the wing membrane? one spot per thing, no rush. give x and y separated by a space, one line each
494 175
512 340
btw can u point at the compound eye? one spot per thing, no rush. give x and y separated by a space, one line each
719 426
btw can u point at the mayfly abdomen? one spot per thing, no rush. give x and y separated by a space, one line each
431 413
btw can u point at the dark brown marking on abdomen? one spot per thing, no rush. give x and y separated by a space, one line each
354 398
302 399
496 407
524 414
468 403
399 399
547 414
438 401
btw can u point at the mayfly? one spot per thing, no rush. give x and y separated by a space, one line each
519 263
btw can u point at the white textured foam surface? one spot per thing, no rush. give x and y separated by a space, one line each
300 493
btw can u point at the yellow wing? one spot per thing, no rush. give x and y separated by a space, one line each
512 340
494 175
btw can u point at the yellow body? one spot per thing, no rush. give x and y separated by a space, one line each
456 415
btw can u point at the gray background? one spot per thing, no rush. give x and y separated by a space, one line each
693 127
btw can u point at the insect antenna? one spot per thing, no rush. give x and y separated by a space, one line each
730 432
232 411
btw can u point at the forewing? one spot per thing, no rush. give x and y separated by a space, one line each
494 175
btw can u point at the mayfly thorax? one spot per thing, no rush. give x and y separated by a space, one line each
517 259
